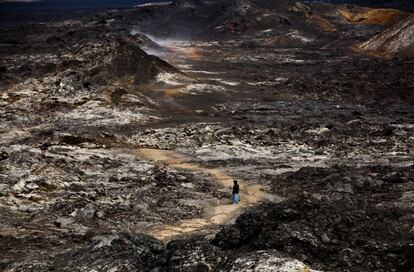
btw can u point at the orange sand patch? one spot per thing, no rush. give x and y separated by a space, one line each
188 52
173 91
372 16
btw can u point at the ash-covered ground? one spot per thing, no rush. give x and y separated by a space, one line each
121 133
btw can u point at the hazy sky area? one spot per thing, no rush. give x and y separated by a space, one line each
45 4
15 12
24 1
117 2
66 3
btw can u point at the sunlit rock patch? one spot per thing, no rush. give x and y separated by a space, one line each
397 40
268 261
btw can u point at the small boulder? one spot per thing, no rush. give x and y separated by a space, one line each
87 213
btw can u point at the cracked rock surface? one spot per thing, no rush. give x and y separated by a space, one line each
213 91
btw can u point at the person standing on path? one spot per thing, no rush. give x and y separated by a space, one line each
236 197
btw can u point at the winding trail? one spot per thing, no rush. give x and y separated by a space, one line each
220 213
215 215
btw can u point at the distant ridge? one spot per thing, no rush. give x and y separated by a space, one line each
53 4
15 13
406 5
396 41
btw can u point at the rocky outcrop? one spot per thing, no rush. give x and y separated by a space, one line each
326 131
129 60
396 41
266 261
313 18
126 252
111 252
337 219
333 234
194 254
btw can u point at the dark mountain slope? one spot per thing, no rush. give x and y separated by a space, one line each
397 40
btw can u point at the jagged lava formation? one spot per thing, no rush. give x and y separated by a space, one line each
396 41
121 133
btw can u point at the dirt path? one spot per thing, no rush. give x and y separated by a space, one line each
215 215
221 213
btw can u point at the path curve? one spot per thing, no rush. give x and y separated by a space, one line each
215 215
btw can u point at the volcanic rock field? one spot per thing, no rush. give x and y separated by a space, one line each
121 134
